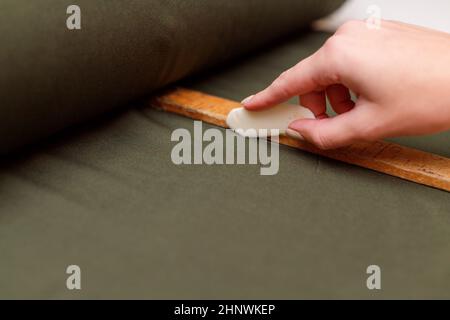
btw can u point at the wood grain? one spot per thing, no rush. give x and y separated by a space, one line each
389 158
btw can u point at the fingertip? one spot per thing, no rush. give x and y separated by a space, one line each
247 100
250 106
303 127
249 103
294 134
254 103
300 124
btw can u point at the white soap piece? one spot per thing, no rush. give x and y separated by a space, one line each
279 117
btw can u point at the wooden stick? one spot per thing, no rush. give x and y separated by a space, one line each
393 159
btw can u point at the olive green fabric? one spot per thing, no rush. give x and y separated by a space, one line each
52 77
108 198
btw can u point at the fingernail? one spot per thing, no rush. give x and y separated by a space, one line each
294 134
247 100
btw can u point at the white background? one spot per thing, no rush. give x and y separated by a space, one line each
432 13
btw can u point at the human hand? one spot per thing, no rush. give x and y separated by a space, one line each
400 74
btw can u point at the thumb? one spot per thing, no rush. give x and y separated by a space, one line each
335 132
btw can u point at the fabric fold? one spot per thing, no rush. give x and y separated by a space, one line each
52 77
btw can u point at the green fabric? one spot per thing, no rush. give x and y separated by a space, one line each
107 198
52 77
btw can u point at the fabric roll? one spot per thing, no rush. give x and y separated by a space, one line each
53 77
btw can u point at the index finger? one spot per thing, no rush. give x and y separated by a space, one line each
309 75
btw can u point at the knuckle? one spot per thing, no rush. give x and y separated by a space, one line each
282 78
321 141
335 56
333 45
349 26
281 84
369 132
369 126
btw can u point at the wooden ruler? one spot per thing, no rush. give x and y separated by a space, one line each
393 159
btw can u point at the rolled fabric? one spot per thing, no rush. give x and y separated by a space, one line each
52 77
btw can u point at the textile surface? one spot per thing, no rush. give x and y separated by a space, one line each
108 198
